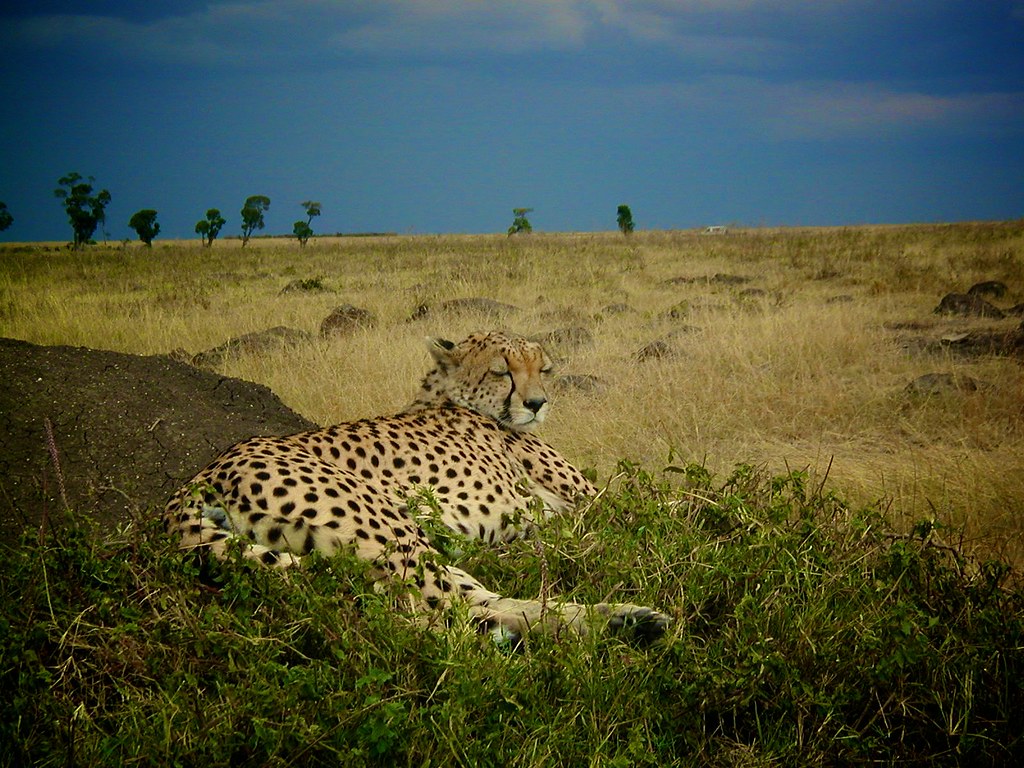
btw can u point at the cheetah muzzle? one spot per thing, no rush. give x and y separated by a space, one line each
466 437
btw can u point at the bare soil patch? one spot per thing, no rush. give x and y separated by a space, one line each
126 429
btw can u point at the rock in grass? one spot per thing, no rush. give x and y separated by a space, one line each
720 278
490 307
306 285
992 288
617 309
941 384
258 341
967 305
346 319
656 350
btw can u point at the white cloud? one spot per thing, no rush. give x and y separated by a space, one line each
715 67
269 31
263 29
197 39
663 25
460 26
838 110
823 110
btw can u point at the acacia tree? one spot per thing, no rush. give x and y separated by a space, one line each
209 228
312 209
252 215
5 217
145 225
520 224
85 210
302 229
624 218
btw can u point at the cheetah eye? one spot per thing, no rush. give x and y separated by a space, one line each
500 367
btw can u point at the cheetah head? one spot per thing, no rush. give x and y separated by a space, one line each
493 373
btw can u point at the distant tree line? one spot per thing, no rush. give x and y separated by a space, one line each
521 225
86 211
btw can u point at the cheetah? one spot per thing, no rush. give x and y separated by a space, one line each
466 438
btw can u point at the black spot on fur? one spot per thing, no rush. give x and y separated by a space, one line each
269 558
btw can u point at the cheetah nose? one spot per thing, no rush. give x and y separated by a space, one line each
535 404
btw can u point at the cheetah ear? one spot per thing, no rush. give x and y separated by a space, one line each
442 350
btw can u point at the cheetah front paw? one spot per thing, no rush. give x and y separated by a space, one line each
645 624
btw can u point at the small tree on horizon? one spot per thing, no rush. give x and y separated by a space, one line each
85 210
303 229
312 209
252 215
624 218
209 228
6 219
520 224
145 225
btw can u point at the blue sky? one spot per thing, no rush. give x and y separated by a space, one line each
443 115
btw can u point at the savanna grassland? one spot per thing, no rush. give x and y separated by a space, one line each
801 367
838 554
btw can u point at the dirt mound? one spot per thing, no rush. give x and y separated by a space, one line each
127 429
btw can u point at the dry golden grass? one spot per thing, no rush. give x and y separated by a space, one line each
784 377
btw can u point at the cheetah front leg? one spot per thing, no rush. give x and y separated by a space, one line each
515 618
